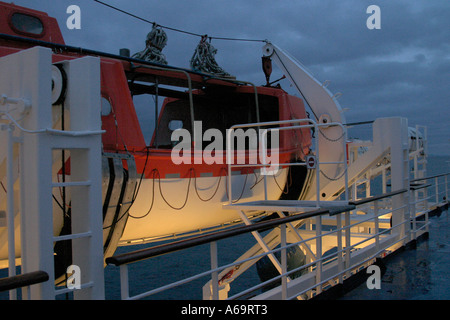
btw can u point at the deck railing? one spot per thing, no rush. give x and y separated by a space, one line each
338 242
351 255
23 280
436 185
427 194
284 125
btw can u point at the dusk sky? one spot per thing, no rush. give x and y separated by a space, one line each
401 69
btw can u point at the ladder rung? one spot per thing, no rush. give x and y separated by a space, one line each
71 184
73 236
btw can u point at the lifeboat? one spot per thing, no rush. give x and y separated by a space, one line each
164 143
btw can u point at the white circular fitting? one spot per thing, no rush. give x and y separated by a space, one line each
267 50
58 85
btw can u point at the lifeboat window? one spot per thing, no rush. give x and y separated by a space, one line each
27 24
175 124
215 112
106 107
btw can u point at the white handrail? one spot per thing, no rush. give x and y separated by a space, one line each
343 251
376 243
263 150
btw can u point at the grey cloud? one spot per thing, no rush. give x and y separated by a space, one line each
400 70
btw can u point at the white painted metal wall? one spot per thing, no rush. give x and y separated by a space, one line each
29 77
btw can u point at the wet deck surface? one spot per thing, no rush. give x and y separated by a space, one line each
422 273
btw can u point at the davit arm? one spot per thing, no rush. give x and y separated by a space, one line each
326 109
322 103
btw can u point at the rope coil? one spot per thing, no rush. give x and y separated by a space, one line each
154 44
203 59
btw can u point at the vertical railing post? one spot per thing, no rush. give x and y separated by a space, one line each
124 282
437 189
446 187
318 254
316 129
446 191
347 243
383 181
230 160
377 226
346 163
283 262
339 247
264 163
413 214
214 275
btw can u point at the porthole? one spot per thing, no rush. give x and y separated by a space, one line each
24 23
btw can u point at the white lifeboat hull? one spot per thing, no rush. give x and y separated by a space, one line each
173 207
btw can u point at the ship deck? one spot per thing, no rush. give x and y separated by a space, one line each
419 272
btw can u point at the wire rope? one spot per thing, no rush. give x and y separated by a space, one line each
176 29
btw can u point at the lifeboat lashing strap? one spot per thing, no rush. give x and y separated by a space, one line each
117 197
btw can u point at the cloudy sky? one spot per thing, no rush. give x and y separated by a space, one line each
402 69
